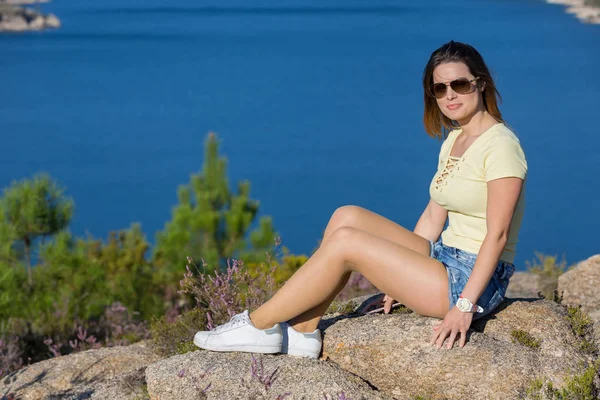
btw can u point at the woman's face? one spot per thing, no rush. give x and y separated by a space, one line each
458 107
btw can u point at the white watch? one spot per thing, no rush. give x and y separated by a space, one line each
465 305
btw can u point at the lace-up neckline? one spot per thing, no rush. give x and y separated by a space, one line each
238 319
448 172
452 163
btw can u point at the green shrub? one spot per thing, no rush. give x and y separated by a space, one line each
581 325
285 266
537 388
581 386
170 338
588 346
186 347
55 287
580 322
577 387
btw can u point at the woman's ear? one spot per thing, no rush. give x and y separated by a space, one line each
482 86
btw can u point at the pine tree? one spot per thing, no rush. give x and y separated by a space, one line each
8 264
7 239
212 223
33 209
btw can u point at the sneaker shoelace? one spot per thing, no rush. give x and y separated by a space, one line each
236 320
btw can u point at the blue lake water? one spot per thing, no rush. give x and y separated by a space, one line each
317 103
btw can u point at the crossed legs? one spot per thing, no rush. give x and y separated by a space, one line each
392 258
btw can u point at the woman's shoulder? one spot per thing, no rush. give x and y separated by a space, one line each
503 156
502 144
502 135
504 130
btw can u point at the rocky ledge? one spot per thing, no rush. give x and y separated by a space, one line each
513 354
14 18
529 348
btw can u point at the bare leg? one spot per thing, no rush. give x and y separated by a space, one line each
368 221
363 219
416 280
309 320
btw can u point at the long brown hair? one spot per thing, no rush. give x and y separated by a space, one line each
436 123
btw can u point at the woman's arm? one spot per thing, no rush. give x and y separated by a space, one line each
503 195
432 221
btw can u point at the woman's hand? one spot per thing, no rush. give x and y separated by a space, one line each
385 302
454 322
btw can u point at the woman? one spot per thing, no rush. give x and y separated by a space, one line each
478 187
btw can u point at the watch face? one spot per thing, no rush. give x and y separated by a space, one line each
463 305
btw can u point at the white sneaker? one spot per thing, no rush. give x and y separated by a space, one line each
239 334
299 343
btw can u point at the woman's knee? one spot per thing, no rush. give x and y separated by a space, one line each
341 217
342 243
344 238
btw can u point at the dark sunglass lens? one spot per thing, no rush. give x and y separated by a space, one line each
461 86
439 90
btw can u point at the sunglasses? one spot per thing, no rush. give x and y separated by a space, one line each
460 86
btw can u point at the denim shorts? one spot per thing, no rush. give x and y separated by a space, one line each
459 265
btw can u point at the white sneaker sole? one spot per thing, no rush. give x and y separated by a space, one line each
249 348
300 353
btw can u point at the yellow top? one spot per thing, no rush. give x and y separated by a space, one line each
460 186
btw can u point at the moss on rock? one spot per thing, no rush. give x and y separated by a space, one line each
524 338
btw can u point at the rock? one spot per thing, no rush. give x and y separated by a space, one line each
392 353
52 21
585 10
367 357
109 373
16 19
527 285
25 1
588 14
523 285
14 24
37 23
580 286
229 376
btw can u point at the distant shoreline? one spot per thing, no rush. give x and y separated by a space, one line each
585 13
16 18
21 2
